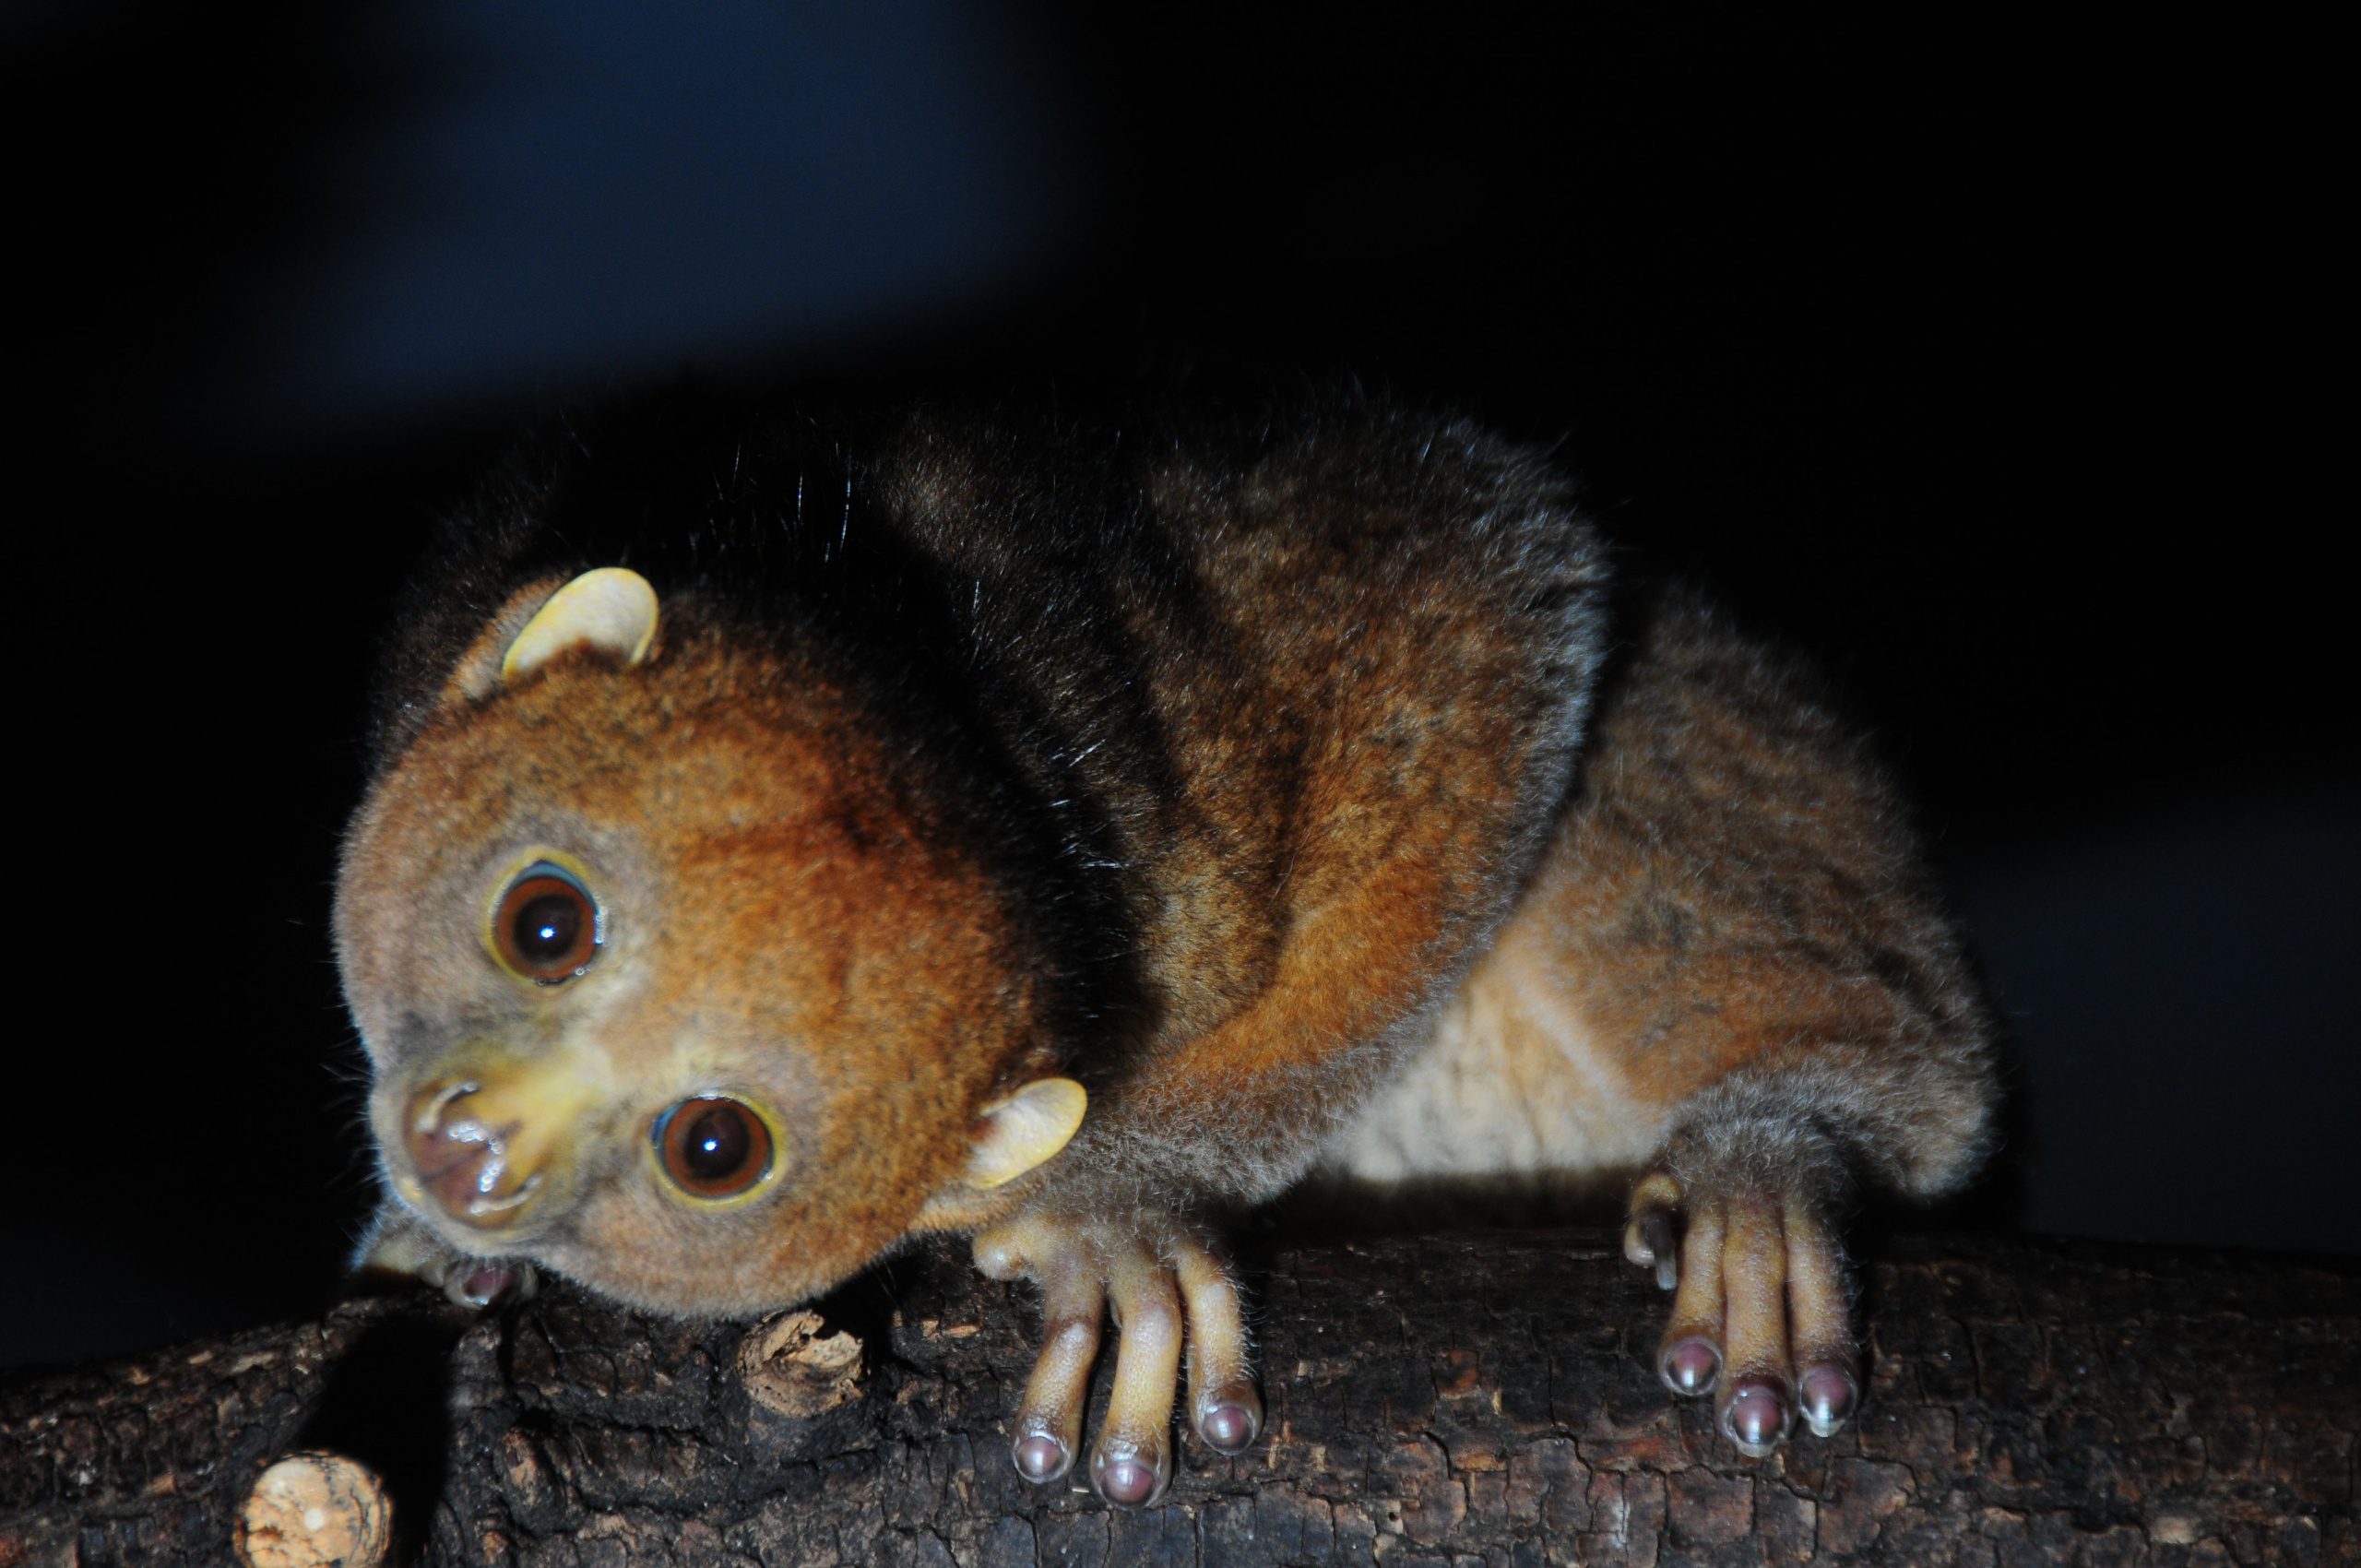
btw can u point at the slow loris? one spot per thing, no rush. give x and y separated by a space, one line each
790 836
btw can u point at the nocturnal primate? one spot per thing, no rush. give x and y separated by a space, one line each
788 838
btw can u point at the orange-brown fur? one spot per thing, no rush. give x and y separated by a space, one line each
710 769
1229 767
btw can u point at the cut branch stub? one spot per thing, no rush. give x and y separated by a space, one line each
316 1510
792 1368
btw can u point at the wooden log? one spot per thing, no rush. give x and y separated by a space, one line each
1433 1400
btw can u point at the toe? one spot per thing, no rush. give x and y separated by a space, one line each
1651 1238
1227 1408
1042 1457
1049 1423
1758 1400
1690 1364
1820 1327
1129 1480
1689 1357
1756 1415
1828 1394
1133 1456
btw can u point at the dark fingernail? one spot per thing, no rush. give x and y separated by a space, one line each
1828 1394
1042 1457
1127 1481
1691 1365
1758 1415
1226 1428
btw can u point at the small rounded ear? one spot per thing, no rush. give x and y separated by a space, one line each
611 609
1017 1134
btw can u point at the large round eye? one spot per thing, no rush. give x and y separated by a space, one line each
546 927
713 1146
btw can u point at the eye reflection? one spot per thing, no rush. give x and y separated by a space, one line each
713 1146
547 927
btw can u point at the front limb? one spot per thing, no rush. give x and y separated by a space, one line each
1230 1117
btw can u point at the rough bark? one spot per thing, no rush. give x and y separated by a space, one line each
1432 1401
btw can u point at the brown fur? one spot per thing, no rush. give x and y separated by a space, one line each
1727 961
1202 763
785 920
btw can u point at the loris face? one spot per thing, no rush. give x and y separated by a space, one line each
666 983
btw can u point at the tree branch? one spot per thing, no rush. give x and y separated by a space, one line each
1432 1400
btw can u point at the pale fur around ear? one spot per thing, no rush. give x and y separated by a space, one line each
477 674
1023 1130
611 609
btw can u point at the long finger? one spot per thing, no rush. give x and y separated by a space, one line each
1820 1327
1757 1400
1688 1358
1132 1458
1223 1401
1049 1423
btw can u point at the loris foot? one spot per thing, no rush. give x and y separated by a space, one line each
1154 1276
397 1244
1760 1310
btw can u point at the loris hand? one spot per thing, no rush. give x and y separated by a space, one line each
398 1244
1154 1273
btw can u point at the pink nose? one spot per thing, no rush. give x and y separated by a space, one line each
462 1157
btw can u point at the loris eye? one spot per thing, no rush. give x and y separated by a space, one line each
546 927
713 1146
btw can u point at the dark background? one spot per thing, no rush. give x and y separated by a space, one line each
1971 362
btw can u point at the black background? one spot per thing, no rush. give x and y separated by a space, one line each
1977 358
